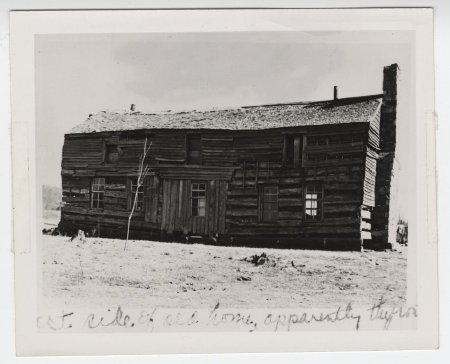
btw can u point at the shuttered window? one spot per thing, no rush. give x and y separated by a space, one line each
293 150
194 149
313 202
137 192
112 153
97 193
151 198
198 199
268 203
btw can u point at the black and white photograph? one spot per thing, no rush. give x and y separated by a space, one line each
227 181
256 170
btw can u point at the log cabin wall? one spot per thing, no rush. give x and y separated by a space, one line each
332 159
237 167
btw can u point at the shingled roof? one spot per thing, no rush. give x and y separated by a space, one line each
350 110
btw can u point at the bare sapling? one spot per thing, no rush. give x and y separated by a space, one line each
143 171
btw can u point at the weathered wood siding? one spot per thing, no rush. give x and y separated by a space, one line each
176 209
372 155
235 164
341 179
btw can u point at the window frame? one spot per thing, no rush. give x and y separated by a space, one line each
293 143
111 149
95 201
141 195
198 198
335 139
318 189
189 159
262 203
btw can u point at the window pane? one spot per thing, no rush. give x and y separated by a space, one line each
269 203
112 154
198 199
313 202
97 192
194 146
289 149
201 207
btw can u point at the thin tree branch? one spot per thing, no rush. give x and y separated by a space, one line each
142 173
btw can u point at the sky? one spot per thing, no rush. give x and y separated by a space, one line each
81 74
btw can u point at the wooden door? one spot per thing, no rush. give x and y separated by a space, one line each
194 207
151 199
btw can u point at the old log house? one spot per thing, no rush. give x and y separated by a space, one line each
298 175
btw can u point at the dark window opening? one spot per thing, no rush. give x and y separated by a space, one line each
194 149
198 199
97 193
318 140
293 148
320 157
334 139
116 180
133 135
313 202
268 201
112 153
137 194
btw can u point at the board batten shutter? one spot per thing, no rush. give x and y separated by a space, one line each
297 151
222 202
209 215
166 202
151 195
129 195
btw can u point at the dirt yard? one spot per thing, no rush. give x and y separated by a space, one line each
151 274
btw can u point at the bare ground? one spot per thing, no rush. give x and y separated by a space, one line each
150 274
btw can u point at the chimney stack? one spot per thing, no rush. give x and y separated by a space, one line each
385 162
335 93
133 106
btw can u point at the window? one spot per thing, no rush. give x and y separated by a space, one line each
137 192
319 140
321 157
268 202
133 135
313 202
112 153
293 147
198 199
97 193
194 149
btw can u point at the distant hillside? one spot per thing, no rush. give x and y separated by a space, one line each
51 197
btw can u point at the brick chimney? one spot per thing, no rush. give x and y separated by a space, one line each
380 214
335 93
133 107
